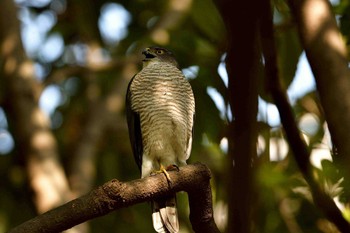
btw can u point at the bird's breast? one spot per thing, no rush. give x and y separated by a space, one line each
164 100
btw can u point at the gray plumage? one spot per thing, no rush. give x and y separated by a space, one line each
160 113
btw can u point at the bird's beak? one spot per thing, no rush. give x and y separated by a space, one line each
145 51
148 54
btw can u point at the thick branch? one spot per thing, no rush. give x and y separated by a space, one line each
326 53
113 195
298 146
242 62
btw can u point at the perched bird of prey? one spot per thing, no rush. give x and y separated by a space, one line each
160 110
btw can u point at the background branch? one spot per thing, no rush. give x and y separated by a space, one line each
326 53
242 62
298 145
113 195
30 125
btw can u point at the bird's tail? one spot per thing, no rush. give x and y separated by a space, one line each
164 215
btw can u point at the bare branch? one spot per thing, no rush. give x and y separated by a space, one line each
113 195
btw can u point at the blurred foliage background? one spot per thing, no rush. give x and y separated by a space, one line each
62 123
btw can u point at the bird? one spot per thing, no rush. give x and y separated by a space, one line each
160 109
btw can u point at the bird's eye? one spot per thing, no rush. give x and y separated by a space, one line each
160 51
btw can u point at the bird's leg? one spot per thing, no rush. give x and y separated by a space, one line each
164 170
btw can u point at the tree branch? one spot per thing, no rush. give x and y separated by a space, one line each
298 145
113 195
242 64
327 55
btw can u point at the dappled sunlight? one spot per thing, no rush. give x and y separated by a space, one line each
8 45
220 214
317 14
43 140
317 18
26 70
10 65
261 145
95 55
180 5
39 118
333 37
160 36
49 183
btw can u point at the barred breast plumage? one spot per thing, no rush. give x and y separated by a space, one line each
165 103
160 109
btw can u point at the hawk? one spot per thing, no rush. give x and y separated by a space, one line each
160 110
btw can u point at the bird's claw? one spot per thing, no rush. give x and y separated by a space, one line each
173 167
164 170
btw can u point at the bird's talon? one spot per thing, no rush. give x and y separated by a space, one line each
173 167
154 173
165 171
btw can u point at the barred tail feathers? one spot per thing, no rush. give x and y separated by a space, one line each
164 215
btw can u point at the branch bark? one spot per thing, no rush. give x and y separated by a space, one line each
326 53
113 195
298 145
242 62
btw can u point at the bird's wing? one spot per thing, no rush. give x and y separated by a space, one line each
134 125
189 141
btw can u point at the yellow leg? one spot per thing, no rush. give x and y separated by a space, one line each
164 171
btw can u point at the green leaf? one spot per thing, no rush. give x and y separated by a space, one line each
207 19
289 51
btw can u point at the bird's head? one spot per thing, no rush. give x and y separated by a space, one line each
157 54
